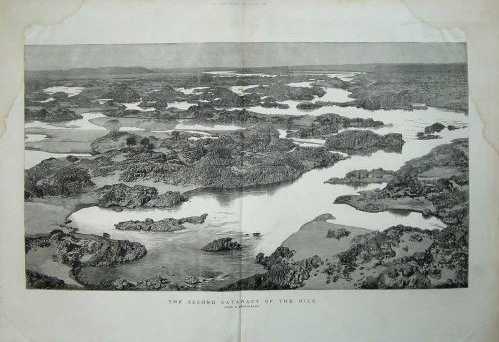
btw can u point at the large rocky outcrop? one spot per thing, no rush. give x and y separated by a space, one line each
53 177
124 196
364 142
80 250
435 184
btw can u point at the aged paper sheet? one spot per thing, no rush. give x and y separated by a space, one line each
215 151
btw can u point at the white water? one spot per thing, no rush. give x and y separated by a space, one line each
34 137
199 127
129 129
233 73
241 90
102 101
180 105
135 106
71 91
344 76
301 84
50 99
190 91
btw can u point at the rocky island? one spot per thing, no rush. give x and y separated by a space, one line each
165 225
364 142
363 177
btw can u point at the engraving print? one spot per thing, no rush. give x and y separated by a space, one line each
246 166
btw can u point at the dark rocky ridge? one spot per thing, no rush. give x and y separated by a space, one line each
50 115
251 157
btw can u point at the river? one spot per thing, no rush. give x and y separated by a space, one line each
275 212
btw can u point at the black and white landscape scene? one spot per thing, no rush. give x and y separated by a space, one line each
222 167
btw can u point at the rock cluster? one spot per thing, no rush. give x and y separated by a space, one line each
122 93
405 257
223 244
429 131
282 272
364 142
337 233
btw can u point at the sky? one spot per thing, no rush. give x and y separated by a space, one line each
213 55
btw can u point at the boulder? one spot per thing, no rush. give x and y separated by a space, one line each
435 128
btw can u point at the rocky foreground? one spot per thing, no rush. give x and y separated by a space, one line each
78 251
327 255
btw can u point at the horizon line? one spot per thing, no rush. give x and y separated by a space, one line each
242 67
